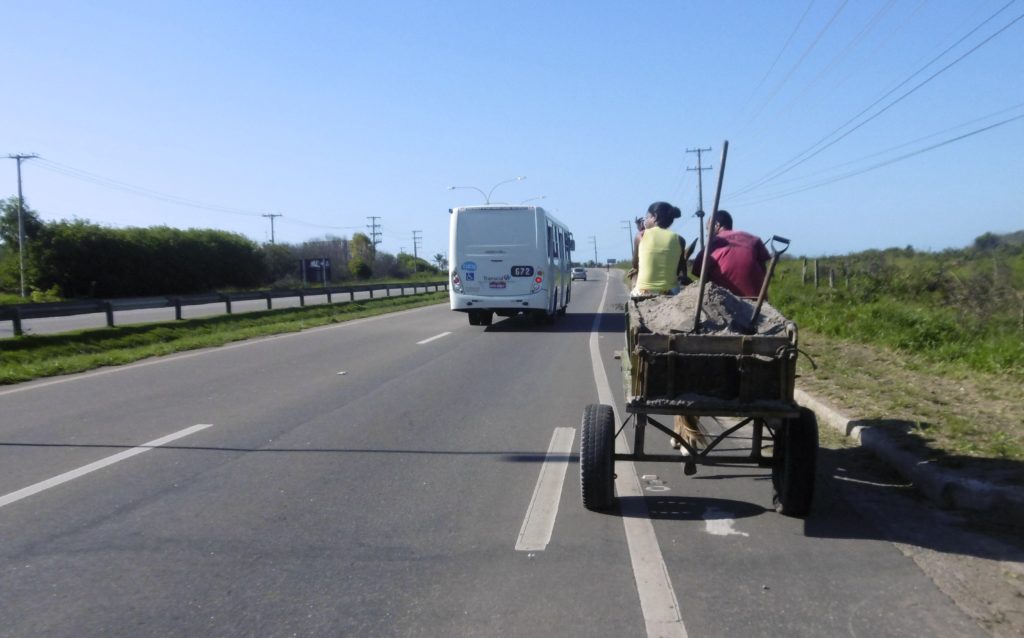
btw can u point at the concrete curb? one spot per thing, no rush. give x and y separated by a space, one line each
946 488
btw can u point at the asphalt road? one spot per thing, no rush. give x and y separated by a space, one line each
403 476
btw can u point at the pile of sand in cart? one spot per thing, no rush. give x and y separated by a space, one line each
723 313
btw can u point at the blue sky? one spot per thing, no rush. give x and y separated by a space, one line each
332 112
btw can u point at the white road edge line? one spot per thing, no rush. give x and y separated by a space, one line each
654 585
443 334
92 467
535 534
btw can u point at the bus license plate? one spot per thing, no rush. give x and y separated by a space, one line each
522 271
497 284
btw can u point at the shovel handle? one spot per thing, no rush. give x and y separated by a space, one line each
767 278
780 240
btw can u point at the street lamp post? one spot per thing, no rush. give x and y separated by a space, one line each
487 196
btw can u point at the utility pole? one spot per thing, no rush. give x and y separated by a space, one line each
628 225
415 244
700 189
593 240
272 216
21 221
374 233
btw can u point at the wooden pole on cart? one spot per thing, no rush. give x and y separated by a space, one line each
711 236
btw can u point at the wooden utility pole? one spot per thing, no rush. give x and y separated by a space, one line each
21 221
272 216
700 189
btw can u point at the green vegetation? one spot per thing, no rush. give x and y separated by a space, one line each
930 345
78 258
958 307
31 357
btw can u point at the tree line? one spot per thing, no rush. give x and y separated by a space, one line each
79 258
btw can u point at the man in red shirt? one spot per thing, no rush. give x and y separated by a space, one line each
738 259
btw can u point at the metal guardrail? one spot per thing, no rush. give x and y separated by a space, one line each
18 312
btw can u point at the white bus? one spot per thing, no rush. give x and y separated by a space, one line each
508 260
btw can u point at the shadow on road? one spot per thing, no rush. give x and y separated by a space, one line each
570 322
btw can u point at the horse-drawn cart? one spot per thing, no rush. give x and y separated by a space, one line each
746 377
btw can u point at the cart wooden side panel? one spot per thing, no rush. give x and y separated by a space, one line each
708 374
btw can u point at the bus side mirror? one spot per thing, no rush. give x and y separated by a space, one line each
572 244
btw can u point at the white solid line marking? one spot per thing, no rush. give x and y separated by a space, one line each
443 334
92 467
535 534
654 585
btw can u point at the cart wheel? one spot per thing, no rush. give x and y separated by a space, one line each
794 462
597 458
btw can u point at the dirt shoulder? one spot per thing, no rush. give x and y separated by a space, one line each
962 419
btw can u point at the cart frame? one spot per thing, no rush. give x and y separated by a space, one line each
748 377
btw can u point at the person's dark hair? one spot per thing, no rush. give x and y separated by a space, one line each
664 213
723 219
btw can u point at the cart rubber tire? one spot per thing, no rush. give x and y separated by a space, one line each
794 463
597 458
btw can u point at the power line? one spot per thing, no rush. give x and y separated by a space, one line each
803 57
853 44
777 58
887 162
912 142
803 156
140 191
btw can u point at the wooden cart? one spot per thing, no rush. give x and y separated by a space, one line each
746 377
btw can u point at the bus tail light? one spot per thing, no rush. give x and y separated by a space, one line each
456 282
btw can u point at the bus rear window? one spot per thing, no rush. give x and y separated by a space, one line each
497 228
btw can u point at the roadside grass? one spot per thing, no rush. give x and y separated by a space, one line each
962 416
35 356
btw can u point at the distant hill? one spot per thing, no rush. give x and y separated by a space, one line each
991 241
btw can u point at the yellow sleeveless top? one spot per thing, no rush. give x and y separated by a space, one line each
659 255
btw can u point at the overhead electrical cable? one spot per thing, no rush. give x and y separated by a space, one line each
850 46
107 182
778 57
886 151
810 152
807 51
886 163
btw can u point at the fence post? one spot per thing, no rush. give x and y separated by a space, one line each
16 321
351 295
387 290
302 299
371 293
268 300
329 296
832 278
803 274
815 273
177 308
227 303
108 308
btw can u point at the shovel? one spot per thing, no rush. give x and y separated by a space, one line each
776 253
